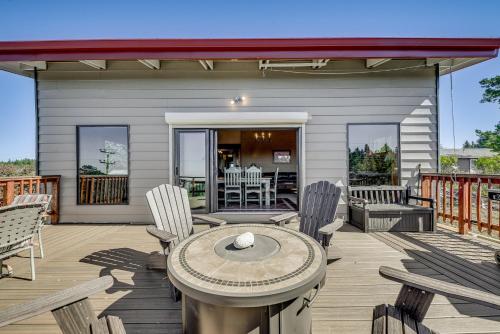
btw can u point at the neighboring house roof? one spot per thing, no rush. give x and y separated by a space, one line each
471 153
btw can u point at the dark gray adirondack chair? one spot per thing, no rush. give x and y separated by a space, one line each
317 214
174 222
36 198
18 225
71 308
414 299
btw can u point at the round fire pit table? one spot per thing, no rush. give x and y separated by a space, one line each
265 288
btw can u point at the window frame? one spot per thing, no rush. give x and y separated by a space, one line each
127 126
398 127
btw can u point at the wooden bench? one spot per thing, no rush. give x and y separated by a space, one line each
71 308
414 299
387 208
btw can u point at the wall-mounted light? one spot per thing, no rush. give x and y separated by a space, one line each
238 100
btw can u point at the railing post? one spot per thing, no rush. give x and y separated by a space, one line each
490 210
462 229
54 219
478 205
468 202
426 189
444 199
437 201
9 192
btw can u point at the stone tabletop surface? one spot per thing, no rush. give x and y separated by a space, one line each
296 260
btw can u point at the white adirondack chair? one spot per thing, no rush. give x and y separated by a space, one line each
174 222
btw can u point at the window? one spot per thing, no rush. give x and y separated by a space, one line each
373 154
102 164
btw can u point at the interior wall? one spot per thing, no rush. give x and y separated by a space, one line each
259 153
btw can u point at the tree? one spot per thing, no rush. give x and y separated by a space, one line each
448 163
90 170
488 165
490 139
491 89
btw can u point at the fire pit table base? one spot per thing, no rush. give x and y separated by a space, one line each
292 317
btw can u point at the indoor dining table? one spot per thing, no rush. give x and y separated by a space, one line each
266 182
265 288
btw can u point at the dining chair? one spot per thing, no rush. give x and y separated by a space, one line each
253 185
232 185
273 190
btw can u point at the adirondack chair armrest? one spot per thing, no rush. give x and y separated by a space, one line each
161 235
423 199
326 232
358 200
329 229
54 301
206 219
280 220
435 286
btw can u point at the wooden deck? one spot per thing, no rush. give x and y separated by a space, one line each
76 253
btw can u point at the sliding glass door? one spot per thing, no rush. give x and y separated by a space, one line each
193 165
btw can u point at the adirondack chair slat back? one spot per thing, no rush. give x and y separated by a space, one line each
319 206
232 177
253 177
33 198
379 194
171 211
18 223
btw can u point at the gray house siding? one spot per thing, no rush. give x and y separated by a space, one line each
128 93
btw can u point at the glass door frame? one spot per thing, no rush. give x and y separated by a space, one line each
209 135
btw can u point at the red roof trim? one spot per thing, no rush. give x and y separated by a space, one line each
293 48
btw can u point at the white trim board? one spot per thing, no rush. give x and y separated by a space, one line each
235 118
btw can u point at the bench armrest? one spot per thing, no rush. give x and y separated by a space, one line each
424 199
328 229
54 301
358 200
212 221
281 219
442 288
161 235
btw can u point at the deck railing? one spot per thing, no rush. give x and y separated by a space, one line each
103 189
463 199
20 185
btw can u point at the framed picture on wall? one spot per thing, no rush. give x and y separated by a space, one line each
282 156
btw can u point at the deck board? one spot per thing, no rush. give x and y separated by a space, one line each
76 253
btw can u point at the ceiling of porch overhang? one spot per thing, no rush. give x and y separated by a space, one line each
317 54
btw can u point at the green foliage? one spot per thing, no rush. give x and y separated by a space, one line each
488 165
448 163
20 167
471 144
491 89
490 139
365 161
90 170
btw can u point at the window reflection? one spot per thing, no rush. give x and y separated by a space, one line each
103 164
373 154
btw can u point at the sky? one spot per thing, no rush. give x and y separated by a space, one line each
51 19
